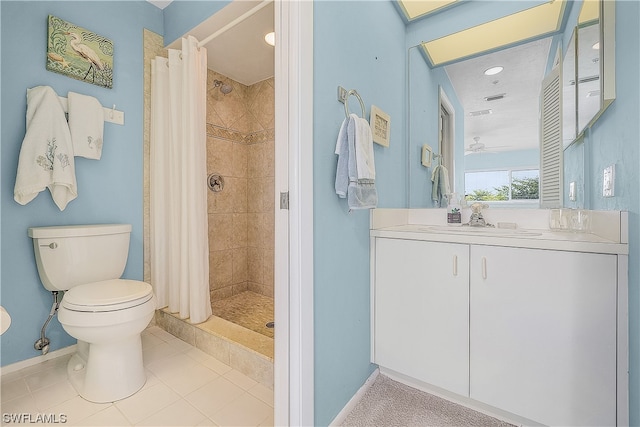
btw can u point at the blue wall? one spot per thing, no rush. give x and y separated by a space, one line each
498 160
357 45
109 190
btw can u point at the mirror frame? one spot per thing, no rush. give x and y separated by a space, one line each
607 64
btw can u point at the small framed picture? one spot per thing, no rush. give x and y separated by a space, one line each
380 123
427 155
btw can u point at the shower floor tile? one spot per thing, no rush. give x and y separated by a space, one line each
247 309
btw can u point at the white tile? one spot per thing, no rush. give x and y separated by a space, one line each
162 334
150 340
19 405
240 379
55 394
197 354
267 422
146 402
244 411
214 396
77 409
189 378
179 344
263 393
151 379
158 352
12 376
110 417
14 389
46 378
215 364
206 423
180 413
170 365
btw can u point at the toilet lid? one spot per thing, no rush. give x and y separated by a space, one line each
107 295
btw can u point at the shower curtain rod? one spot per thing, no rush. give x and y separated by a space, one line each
236 21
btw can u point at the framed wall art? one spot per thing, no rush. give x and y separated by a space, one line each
380 123
79 53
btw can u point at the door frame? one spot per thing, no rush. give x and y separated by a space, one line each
293 251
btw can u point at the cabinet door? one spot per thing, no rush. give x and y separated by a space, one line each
543 334
421 308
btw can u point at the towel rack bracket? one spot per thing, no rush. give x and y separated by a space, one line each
342 94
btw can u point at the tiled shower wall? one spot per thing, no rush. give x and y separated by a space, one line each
240 147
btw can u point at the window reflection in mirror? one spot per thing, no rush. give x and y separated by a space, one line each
569 111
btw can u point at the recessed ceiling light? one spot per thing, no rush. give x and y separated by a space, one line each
493 70
270 38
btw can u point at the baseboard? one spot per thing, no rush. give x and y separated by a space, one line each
351 404
36 360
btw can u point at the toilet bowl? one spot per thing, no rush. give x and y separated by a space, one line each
104 313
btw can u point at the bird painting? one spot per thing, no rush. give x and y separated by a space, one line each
79 53
87 54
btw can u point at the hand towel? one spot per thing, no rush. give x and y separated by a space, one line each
364 149
46 154
360 193
342 170
86 122
440 187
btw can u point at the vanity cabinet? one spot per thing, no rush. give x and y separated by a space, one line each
422 311
528 331
543 334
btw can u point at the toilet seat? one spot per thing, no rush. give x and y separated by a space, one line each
107 295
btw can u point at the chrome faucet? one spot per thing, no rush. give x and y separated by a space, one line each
477 220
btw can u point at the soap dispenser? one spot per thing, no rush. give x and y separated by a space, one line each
454 210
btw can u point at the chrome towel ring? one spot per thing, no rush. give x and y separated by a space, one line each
346 102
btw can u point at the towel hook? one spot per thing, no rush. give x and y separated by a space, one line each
346 102
113 110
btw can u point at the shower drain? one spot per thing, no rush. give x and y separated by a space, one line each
270 325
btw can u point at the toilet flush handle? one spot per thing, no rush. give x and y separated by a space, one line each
51 245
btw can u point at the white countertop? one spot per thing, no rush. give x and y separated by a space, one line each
521 238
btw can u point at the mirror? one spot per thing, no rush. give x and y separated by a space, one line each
589 65
516 149
569 110
496 117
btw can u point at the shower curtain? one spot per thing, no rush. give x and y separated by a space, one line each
178 190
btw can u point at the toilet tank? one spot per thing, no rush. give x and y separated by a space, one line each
72 255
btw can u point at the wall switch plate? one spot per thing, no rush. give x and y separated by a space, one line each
608 181
572 191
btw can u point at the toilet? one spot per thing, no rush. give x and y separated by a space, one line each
104 313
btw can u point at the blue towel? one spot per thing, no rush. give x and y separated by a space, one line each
360 193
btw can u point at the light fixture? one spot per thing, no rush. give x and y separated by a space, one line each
270 38
493 70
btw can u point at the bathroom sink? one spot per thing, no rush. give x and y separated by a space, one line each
480 231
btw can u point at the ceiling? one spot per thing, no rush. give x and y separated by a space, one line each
241 54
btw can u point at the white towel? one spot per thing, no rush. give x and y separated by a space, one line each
46 155
364 149
86 122
342 170
360 193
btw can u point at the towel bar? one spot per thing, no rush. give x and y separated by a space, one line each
345 101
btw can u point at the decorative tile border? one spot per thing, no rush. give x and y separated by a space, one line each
236 136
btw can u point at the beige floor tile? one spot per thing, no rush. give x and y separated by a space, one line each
190 378
168 366
180 413
147 402
23 404
214 396
263 393
13 389
240 379
54 395
107 417
77 409
247 410
158 352
46 378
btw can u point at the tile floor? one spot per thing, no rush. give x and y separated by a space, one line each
185 387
